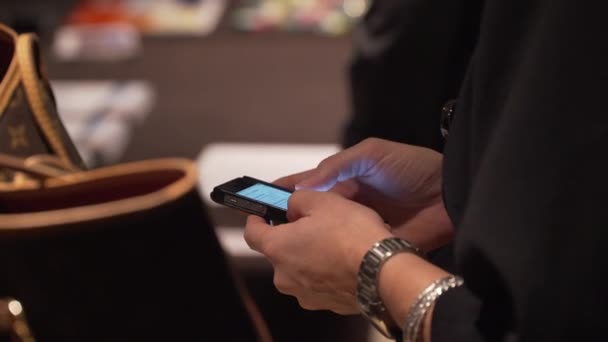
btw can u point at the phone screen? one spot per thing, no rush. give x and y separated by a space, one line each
266 194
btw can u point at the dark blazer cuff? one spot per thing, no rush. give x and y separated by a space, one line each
454 317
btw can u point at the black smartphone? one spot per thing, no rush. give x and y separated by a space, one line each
255 197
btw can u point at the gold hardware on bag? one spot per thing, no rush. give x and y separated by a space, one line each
13 323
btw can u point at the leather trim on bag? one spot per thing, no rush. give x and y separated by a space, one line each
46 219
10 80
29 76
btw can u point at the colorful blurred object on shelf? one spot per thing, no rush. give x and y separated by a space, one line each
331 17
152 17
97 42
111 30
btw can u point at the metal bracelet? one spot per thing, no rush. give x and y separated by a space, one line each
417 313
369 300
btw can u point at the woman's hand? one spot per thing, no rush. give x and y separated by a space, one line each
316 257
400 182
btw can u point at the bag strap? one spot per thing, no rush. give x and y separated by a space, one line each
10 80
30 65
40 167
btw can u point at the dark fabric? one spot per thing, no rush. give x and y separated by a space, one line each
453 322
525 176
409 58
154 275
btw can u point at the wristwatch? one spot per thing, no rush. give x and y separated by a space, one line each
369 300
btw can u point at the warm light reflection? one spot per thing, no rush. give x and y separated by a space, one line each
15 307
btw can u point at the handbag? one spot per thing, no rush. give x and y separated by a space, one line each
29 122
122 253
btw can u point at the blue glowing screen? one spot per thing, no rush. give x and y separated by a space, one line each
266 194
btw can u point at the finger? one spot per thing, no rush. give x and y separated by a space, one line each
256 232
302 202
350 163
290 181
347 189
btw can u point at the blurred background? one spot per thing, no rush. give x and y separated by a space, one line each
255 87
248 71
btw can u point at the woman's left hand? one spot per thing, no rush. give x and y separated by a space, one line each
316 256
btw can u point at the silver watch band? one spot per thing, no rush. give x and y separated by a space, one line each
368 297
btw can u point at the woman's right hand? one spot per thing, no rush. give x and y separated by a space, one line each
401 182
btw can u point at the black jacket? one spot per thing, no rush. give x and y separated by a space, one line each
526 177
409 57
526 167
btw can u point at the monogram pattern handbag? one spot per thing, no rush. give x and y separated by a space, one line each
29 122
122 253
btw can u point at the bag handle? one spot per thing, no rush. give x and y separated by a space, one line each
40 167
34 77
10 79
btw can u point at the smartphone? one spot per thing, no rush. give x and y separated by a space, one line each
255 197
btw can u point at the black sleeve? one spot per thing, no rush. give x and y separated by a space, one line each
409 58
532 146
448 321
